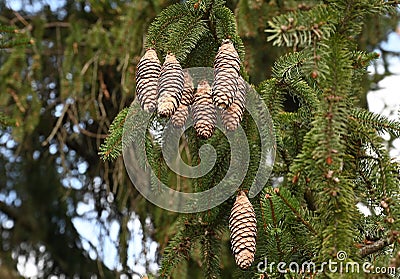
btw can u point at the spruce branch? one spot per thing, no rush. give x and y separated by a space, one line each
178 249
301 28
272 95
289 66
353 14
382 171
377 122
295 212
156 34
362 59
112 146
275 226
5 120
224 22
184 36
210 250
11 37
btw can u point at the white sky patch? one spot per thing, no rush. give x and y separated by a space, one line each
34 6
27 267
364 209
386 99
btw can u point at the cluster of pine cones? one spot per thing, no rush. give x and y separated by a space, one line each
170 90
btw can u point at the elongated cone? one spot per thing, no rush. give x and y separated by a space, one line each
233 115
226 74
243 231
180 116
204 111
188 89
147 73
170 86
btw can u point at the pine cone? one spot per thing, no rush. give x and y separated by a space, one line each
233 115
188 89
170 86
226 74
180 116
204 112
147 73
243 228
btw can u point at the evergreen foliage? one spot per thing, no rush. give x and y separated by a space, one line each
307 60
328 152
11 37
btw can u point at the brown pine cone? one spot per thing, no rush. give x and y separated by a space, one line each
170 86
180 116
226 74
147 73
204 112
233 115
243 228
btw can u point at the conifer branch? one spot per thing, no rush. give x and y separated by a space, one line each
377 122
5 120
378 245
11 37
275 225
225 27
112 146
272 95
298 215
211 248
288 67
184 36
300 29
158 28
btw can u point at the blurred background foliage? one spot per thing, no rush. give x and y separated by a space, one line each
64 75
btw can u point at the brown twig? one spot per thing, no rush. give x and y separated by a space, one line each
378 245
16 100
84 131
57 126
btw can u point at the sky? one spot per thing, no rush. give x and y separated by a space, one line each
386 100
17 5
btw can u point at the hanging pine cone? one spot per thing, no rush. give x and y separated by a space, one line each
147 73
226 74
204 112
170 86
243 228
178 119
188 89
233 115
